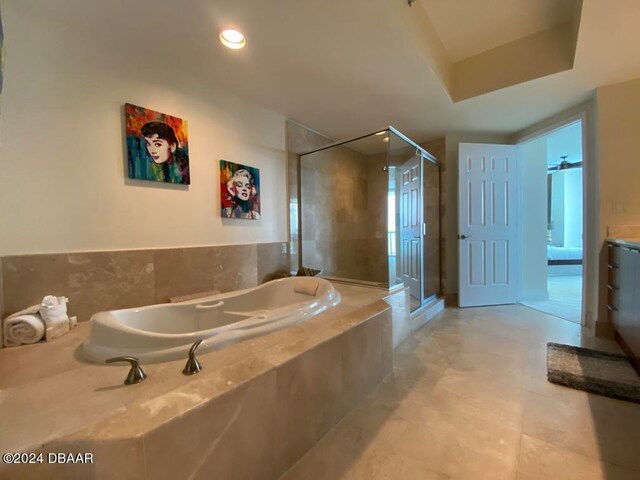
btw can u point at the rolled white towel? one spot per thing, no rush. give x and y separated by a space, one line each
22 329
53 311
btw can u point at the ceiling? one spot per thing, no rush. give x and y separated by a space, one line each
469 27
348 67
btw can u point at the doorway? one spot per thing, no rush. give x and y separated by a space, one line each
551 227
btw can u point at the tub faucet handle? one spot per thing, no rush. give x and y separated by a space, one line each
193 365
136 374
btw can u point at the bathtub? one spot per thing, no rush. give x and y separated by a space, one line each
159 333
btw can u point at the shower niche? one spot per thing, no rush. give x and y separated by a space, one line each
369 213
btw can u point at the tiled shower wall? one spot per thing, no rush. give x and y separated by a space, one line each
96 281
299 139
344 223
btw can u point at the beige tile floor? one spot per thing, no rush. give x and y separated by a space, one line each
469 399
565 298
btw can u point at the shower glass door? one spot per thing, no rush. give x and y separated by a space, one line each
369 213
405 173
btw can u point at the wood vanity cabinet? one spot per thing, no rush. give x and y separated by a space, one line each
624 298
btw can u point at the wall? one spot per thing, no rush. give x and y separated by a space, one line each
618 117
566 141
573 203
557 209
73 224
61 145
532 170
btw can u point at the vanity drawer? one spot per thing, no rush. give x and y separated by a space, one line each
613 276
614 254
613 296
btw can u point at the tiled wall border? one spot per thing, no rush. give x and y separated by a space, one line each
107 280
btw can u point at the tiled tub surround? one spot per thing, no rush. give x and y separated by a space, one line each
109 280
255 409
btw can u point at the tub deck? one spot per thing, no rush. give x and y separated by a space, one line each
54 400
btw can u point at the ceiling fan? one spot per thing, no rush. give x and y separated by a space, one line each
564 165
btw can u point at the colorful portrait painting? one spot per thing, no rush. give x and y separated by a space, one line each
157 146
240 190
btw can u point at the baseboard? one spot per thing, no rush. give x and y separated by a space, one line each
426 313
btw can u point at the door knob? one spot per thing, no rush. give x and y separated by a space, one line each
463 237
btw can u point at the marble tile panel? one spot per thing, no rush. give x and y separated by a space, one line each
272 258
446 435
181 271
401 309
309 232
109 280
28 278
539 459
387 345
591 425
363 359
309 390
28 363
47 421
301 139
232 436
121 459
235 267
347 452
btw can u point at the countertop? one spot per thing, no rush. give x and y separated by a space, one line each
626 242
49 391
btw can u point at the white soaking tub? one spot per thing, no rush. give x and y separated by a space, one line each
158 333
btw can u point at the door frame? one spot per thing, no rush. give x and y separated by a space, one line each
589 194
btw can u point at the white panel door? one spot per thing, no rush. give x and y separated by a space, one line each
487 224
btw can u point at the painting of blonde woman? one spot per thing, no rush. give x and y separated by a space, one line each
239 191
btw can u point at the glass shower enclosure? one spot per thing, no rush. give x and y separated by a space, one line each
369 213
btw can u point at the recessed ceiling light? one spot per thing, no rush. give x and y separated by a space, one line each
382 132
233 39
